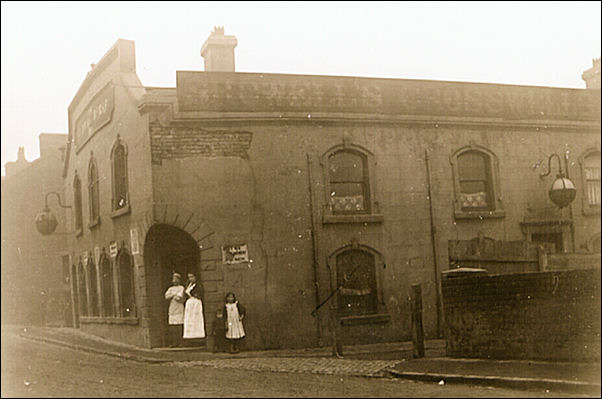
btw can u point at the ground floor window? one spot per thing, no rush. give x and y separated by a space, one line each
106 274
356 275
125 267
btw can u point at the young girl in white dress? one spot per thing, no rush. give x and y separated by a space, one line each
233 314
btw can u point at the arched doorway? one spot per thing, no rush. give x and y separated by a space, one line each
167 249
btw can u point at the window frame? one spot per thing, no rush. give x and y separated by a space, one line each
82 283
372 213
93 194
94 307
497 210
587 208
115 210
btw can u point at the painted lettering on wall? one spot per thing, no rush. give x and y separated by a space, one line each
233 254
97 114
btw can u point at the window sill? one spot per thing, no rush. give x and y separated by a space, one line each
94 223
591 210
378 318
122 211
500 213
109 320
332 219
79 232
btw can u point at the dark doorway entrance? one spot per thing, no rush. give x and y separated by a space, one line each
167 249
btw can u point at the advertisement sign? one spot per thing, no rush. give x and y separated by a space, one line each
233 254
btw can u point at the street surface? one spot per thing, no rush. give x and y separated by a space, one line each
35 369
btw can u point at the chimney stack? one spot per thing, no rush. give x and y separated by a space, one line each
218 51
592 75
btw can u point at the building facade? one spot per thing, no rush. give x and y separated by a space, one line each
35 273
282 188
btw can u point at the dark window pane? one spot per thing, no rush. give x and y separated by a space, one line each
472 165
469 187
106 272
357 275
93 289
82 291
77 192
126 286
120 177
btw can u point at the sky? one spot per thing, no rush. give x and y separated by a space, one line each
47 47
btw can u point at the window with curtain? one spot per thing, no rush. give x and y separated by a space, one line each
356 274
475 181
106 283
77 202
120 183
349 186
591 174
127 304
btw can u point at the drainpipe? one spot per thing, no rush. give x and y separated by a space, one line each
433 240
314 245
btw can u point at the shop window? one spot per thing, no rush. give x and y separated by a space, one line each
590 171
120 180
93 193
77 203
106 283
349 188
92 289
81 290
475 182
127 304
356 275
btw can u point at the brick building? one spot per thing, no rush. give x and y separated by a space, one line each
35 273
281 187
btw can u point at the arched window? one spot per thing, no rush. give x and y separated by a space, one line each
475 182
356 275
92 289
590 172
127 301
120 179
77 202
93 193
82 292
106 283
349 182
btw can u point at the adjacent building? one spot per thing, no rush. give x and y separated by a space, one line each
35 268
282 188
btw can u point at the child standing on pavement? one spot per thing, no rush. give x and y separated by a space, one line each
233 314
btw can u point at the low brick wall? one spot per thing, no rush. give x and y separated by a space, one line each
547 315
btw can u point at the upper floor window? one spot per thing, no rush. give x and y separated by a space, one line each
349 185
475 182
77 202
590 170
93 193
120 180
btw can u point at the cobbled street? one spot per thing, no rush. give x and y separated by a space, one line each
35 369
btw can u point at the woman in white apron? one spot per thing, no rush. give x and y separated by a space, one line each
194 323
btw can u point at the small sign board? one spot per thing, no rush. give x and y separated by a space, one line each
113 249
233 254
135 246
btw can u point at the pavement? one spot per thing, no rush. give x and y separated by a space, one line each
384 360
